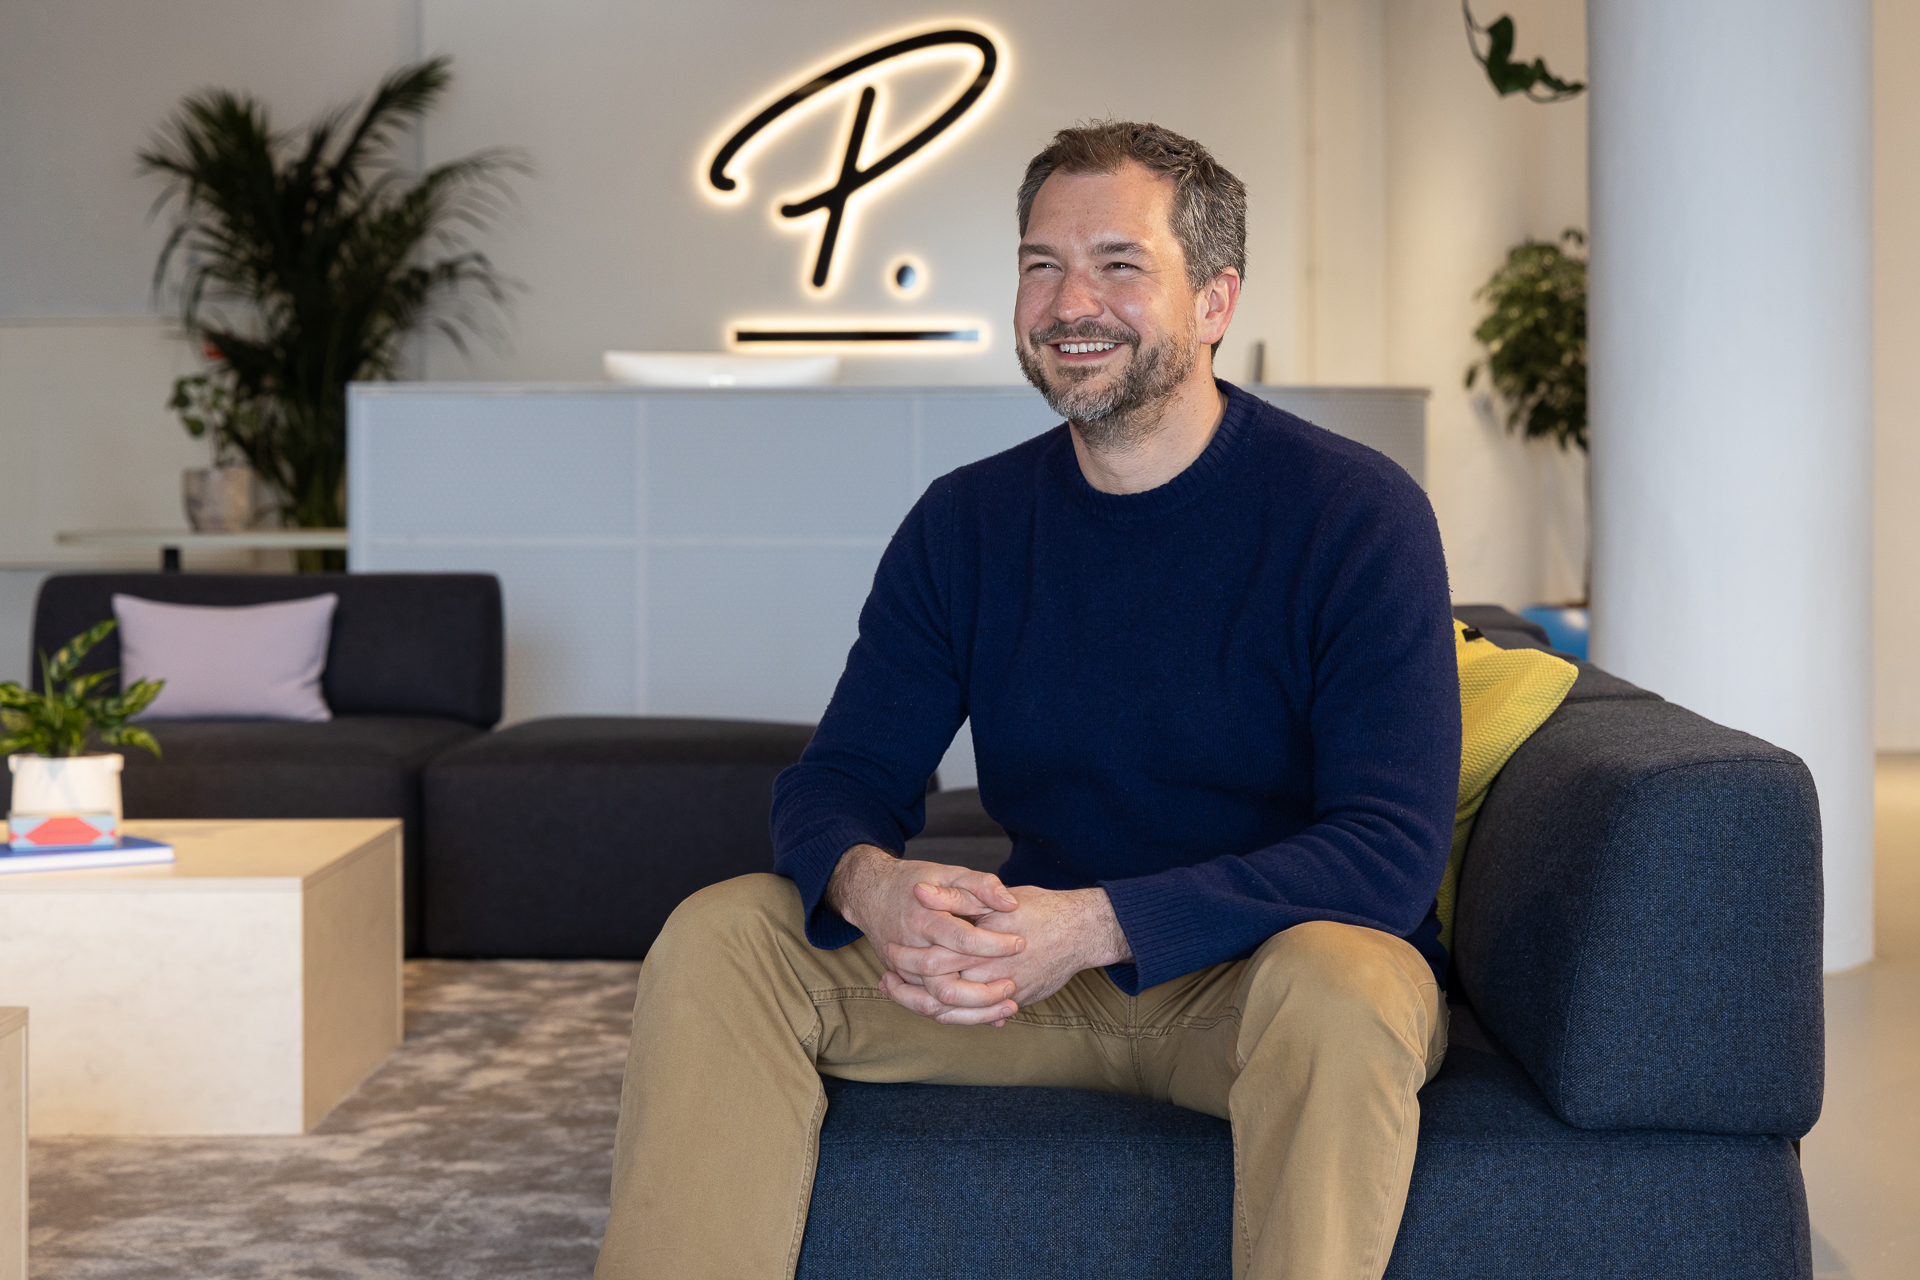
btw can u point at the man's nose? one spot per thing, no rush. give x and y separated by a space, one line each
1077 298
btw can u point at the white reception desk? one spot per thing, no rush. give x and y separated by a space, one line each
696 553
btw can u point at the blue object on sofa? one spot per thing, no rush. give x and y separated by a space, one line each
1636 1041
1565 625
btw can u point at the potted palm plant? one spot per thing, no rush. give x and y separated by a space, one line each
302 262
50 735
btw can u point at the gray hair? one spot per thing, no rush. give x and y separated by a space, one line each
1209 212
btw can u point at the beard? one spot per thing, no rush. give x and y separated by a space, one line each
1126 411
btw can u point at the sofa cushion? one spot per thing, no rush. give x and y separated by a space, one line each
261 661
402 644
1511 631
347 767
1505 694
1113 1185
575 837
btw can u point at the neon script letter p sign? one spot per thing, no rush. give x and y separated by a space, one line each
852 175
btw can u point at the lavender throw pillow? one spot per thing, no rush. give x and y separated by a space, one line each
259 661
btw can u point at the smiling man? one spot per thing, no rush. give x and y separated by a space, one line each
1206 654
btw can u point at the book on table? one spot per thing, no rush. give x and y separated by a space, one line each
74 842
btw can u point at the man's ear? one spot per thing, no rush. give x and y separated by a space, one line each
1213 306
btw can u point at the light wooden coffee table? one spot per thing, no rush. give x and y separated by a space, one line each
13 1144
246 988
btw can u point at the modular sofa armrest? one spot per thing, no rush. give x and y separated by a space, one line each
1640 919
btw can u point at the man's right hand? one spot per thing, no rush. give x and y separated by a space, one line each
874 891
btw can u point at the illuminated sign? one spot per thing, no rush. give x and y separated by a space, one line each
853 175
865 334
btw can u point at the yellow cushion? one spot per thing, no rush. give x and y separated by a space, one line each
1505 694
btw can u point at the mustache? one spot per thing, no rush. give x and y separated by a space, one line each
1082 331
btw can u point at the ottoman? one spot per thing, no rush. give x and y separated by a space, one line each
575 837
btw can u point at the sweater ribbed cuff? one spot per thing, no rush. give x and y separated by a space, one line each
1170 933
810 866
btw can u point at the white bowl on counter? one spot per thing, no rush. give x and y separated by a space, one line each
717 369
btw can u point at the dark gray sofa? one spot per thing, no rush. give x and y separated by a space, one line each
1636 1000
414 667
563 838
1636 1044
575 837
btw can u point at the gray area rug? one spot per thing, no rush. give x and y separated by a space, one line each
481 1148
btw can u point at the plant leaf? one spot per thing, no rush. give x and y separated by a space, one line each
62 720
138 698
1507 76
132 736
69 655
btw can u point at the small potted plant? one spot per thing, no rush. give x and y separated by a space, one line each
219 498
55 775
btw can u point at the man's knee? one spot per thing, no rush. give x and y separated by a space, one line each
1341 981
743 913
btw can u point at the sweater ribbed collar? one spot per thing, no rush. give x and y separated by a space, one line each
1201 476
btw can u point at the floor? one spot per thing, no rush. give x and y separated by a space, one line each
481 1146
1862 1161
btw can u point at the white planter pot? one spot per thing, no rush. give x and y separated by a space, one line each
217 499
66 784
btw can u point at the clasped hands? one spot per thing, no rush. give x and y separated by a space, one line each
962 948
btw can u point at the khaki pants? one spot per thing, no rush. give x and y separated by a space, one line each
1313 1048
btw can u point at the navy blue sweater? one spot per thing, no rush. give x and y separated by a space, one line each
1231 701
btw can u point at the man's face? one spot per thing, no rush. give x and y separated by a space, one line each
1105 323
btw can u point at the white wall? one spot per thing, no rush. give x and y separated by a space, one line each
87 432
1343 277
1896 357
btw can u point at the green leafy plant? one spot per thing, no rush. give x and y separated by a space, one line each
209 410
1536 339
305 261
1506 75
62 720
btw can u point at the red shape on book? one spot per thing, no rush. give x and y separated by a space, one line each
62 831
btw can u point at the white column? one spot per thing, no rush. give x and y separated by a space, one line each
1731 332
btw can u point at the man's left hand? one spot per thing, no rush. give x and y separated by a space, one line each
1066 931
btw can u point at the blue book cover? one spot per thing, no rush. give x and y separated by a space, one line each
126 851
